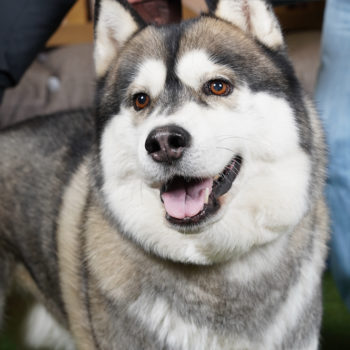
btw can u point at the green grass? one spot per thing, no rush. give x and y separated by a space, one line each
335 334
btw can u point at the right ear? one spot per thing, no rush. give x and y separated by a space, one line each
254 17
115 22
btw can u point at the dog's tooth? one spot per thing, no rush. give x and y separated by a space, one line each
206 197
217 177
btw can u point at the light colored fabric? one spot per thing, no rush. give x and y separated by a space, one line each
59 79
333 100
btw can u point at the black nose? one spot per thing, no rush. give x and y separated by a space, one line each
167 143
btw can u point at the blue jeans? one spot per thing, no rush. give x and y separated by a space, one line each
333 101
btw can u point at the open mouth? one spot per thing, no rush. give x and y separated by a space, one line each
190 201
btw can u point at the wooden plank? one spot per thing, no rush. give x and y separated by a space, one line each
192 8
72 34
301 17
75 28
78 13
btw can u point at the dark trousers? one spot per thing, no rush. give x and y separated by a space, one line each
25 26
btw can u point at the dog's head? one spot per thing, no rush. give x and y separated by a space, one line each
203 134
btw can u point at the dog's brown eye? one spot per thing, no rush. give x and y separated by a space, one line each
218 87
141 101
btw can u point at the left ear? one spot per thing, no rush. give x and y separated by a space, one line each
255 17
115 22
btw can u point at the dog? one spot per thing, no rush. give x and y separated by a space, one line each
186 211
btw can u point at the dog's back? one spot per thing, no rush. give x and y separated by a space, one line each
37 160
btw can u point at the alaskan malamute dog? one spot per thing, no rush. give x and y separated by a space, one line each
187 211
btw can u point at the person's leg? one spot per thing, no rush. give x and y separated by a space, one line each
25 26
333 101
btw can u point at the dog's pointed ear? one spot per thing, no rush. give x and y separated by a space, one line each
115 22
255 17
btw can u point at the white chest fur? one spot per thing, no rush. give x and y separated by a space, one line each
160 318
176 333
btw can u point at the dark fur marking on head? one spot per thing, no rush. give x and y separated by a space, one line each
286 85
293 95
173 86
108 106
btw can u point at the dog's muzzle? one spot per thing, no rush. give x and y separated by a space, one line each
187 201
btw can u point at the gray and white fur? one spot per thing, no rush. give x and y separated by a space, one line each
84 222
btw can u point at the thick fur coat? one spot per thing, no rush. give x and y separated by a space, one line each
186 212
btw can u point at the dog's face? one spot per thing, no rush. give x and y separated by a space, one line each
203 147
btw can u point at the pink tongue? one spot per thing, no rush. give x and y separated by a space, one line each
186 199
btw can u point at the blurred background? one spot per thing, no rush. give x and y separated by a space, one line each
62 77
